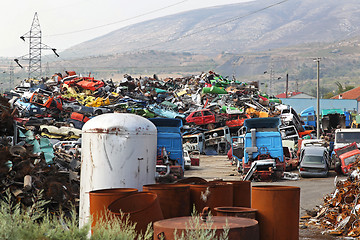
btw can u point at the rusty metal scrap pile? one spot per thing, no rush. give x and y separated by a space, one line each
24 174
340 213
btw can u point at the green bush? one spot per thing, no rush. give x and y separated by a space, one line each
18 222
118 228
196 229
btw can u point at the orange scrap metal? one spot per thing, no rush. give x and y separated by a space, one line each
340 213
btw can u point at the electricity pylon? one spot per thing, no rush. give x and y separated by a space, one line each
35 48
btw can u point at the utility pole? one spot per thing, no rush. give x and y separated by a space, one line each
271 78
287 85
47 70
35 48
11 80
234 66
317 60
271 73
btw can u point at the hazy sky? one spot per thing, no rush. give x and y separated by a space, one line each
62 21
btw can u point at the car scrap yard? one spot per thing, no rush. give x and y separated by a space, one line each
70 136
187 120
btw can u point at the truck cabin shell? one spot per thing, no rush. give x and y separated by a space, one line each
194 142
346 157
344 137
218 139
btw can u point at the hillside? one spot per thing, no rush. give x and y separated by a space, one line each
248 29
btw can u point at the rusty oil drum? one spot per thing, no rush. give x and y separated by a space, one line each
278 211
142 207
241 192
236 212
239 228
101 199
212 194
174 198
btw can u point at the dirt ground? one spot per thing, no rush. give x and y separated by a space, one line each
312 190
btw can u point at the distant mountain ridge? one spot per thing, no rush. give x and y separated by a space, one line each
290 23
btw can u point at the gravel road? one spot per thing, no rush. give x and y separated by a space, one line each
312 190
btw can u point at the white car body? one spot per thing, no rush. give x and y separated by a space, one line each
63 130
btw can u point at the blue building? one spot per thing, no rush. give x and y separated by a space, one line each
300 104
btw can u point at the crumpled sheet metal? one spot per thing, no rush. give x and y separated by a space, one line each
340 212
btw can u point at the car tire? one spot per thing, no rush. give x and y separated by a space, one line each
45 130
71 133
338 168
98 112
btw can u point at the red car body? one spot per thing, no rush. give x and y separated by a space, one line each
236 120
347 156
203 117
85 83
44 100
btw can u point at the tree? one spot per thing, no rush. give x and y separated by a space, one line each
341 89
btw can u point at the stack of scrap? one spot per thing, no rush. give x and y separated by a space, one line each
25 174
29 165
339 215
42 121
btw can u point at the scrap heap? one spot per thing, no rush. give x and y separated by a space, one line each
41 121
24 171
339 215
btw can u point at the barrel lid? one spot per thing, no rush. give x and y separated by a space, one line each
120 123
217 222
275 188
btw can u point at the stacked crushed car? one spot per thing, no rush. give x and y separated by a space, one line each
41 121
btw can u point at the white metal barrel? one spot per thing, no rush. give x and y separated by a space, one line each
118 151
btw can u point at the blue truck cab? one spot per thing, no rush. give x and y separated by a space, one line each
308 116
263 150
169 136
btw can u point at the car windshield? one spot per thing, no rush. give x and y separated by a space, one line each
313 159
347 137
350 159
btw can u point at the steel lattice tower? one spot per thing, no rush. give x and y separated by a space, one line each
11 80
35 47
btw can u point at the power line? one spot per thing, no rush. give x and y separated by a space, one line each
200 30
120 21
196 32
213 26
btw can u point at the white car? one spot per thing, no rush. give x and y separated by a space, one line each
187 160
63 130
